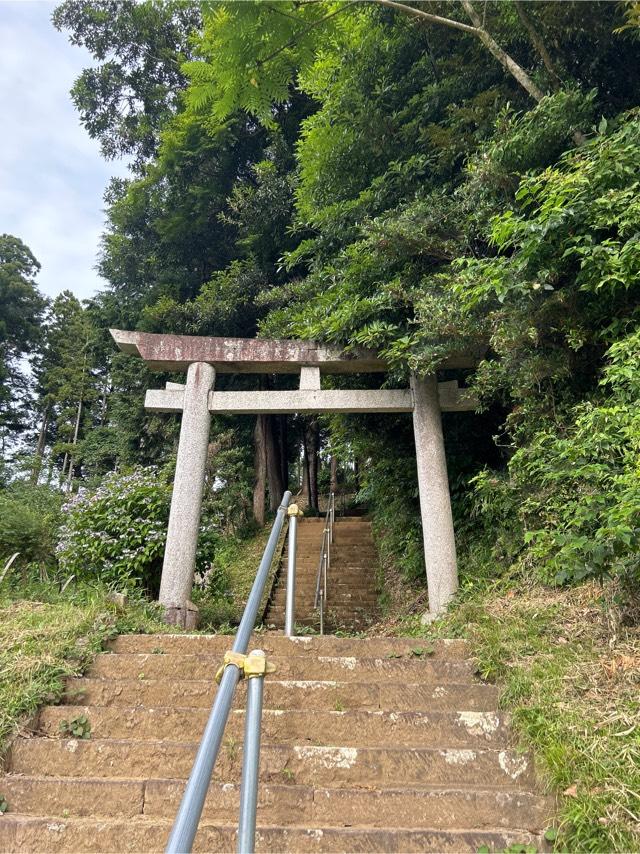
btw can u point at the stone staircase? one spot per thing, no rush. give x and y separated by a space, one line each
369 745
351 581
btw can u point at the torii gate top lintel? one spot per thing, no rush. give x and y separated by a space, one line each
244 355
253 355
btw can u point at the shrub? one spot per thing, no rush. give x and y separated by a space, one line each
29 520
576 489
117 532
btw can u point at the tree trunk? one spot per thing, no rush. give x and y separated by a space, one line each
312 446
333 480
74 443
284 450
274 469
37 463
260 462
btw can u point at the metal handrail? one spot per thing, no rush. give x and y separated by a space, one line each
324 564
190 810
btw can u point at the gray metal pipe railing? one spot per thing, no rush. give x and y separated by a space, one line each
290 607
251 762
190 810
324 564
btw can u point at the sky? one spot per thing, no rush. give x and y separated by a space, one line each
52 177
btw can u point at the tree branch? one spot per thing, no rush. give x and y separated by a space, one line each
427 16
538 43
507 62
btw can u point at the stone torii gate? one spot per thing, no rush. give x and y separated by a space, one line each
202 357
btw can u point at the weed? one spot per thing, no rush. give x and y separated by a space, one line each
305 630
232 746
4 806
338 706
422 651
288 775
78 727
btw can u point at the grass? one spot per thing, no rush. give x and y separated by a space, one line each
570 677
46 636
235 567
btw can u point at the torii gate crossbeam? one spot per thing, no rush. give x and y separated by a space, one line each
201 357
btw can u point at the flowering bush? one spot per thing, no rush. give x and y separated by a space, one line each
117 533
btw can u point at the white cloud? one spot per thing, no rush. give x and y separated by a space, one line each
51 174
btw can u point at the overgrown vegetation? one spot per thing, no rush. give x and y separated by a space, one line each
568 666
46 636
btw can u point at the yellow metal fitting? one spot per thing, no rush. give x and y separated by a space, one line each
248 665
294 510
257 665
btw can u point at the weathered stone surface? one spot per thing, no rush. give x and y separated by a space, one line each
243 355
62 796
318 725
346 668
435 503
305 646
343 767
33 834
186 500
293 693
304 764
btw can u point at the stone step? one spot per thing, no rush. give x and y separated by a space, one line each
323 667
361 599
30 834
300 764
335 581
305 646
335 615
289 694
322 727
426 807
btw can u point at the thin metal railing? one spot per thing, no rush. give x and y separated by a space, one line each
290 605
190 810
324 564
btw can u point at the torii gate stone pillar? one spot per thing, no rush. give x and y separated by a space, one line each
202 358
435 502
186 500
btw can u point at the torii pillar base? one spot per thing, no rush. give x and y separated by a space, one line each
435 502
186 500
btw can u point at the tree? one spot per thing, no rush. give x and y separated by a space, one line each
125 101
21 307
66 383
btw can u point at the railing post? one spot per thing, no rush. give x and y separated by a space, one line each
290 609
333 513
251 760
186 823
